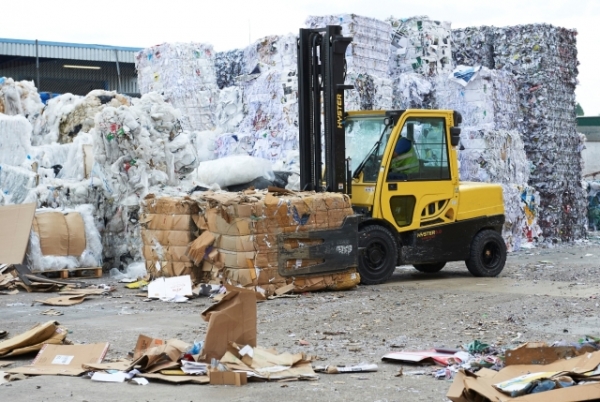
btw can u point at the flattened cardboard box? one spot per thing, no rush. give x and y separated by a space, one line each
16 221
227 378
166 253
64 359
167 237
167 222
169 268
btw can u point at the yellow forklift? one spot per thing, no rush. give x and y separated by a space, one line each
400 169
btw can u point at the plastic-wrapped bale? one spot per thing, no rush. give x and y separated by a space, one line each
16 182
369 51
420 45
185 74
117 224
46 129
229 65
494 156
485 98
81 118
15 140
232 170
245 228
543 60
20 98
64 239
168 227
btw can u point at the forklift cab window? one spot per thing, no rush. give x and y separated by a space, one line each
421 152
366 140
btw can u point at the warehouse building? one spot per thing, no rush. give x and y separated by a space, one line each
590 126
58 67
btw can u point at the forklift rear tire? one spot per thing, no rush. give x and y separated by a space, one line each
379 256
488 254
430 268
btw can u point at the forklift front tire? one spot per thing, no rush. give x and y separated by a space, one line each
379 255
430 268
488 254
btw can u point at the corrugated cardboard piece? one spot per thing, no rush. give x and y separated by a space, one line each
33 339
233 319
64 359
470 387
16 225
541 353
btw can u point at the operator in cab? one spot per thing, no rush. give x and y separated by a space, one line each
405 159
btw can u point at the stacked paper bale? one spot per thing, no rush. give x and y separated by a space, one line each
366 57
543 60
185 74
420 50
491 147
167 228
420 45
245 228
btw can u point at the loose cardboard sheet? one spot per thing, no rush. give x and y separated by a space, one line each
15 221
64 359
233 319
32 340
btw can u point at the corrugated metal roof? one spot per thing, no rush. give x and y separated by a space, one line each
63 50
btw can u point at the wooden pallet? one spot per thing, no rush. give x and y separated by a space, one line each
92 272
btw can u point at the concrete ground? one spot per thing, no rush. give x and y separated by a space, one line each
542 295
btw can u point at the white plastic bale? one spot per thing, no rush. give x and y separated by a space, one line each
47 127
15 183
232 170
91 256
15 140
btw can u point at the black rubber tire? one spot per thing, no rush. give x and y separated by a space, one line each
430 268
488 254
377 261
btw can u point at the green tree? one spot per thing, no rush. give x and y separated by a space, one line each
579 110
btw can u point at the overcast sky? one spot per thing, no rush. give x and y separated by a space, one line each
228 24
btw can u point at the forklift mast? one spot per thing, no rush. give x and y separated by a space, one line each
321 74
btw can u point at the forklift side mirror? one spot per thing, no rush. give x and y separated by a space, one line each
454 136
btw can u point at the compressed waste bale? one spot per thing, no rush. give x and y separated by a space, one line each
64 239
543 60
167 229
185 74
244 226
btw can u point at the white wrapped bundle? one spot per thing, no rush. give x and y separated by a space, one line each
15 140
47 126
232 170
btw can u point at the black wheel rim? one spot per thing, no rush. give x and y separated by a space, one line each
375 256
491 255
